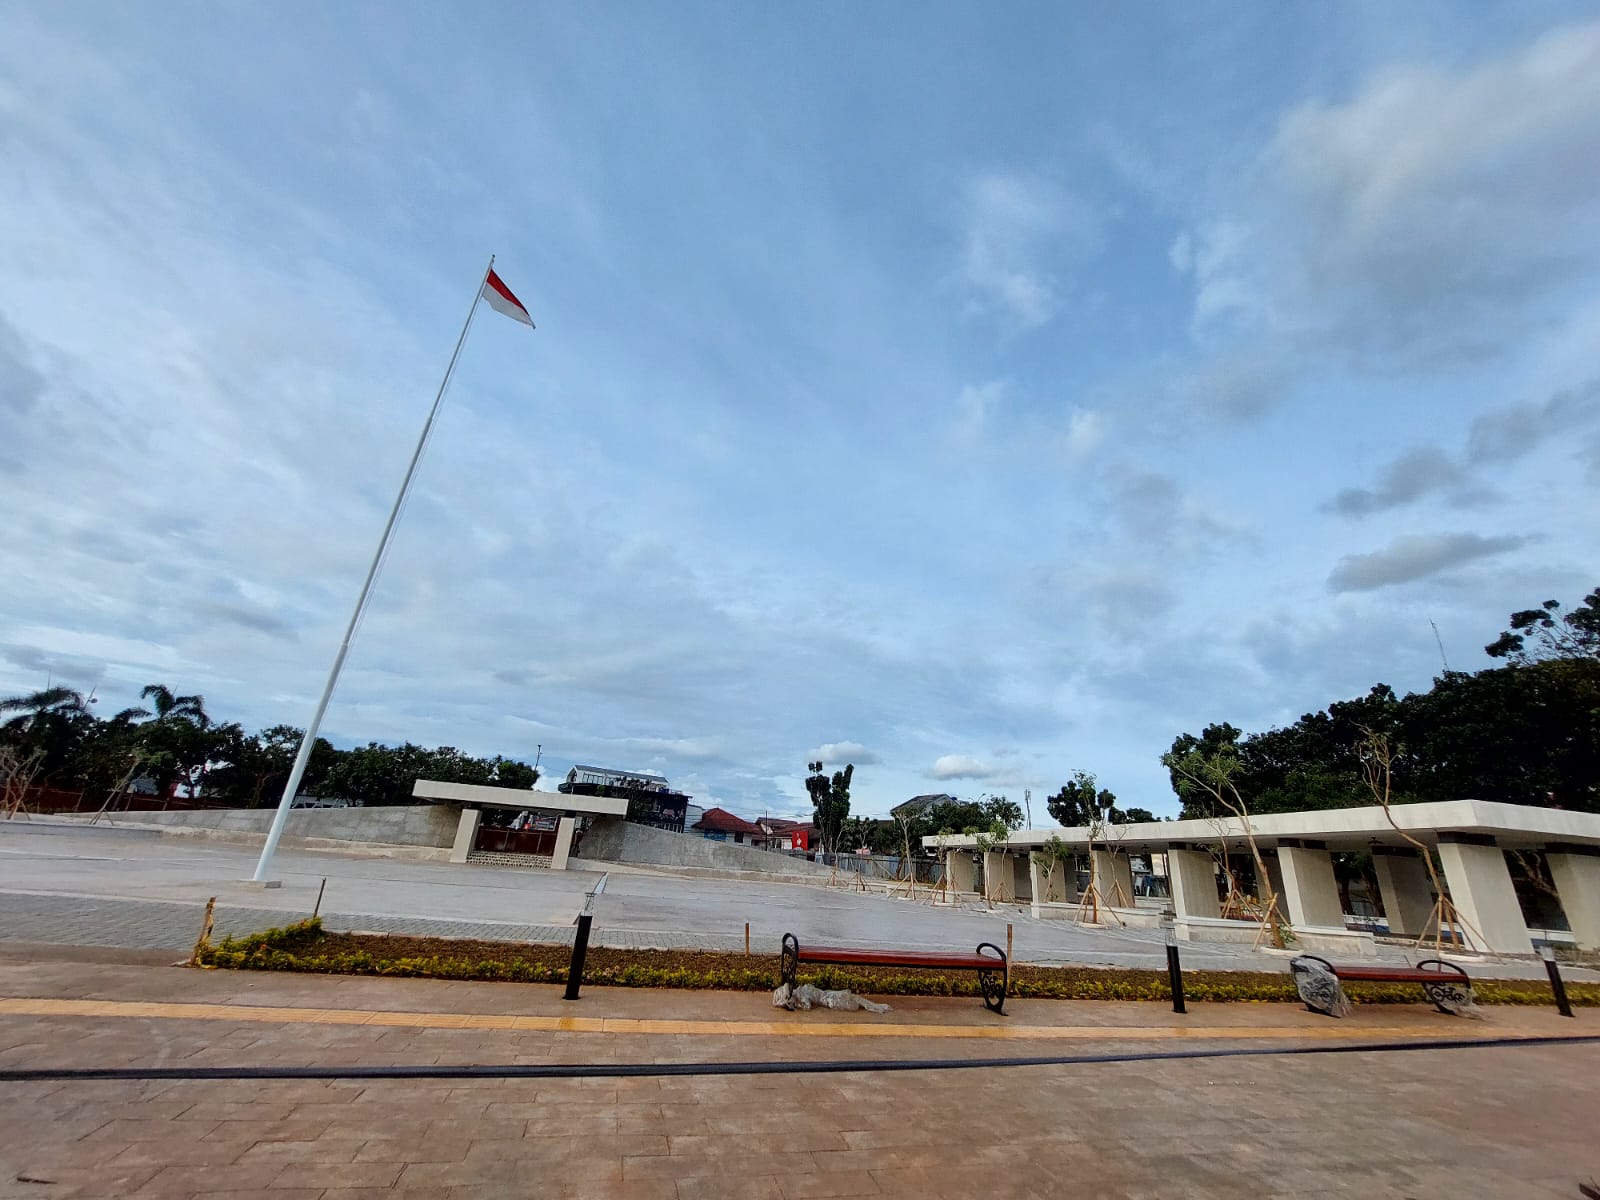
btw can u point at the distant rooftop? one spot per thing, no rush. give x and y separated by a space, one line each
720 820
612 771
921 803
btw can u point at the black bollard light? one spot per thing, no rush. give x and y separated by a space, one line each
1557 984
580 940
580 947
1174 968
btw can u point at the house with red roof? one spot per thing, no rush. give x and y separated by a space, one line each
782 833
720 825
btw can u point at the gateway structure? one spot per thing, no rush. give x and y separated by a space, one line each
551 836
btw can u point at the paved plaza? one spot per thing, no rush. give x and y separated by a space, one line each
92 920
1507 1121
131 888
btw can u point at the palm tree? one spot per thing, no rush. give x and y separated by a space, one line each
177 742
180 708
48 726
52 704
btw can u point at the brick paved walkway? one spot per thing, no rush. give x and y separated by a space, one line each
1503 1122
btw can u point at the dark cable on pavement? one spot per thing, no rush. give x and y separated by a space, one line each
834 1067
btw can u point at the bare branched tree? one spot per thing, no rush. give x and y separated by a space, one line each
1213 774
17 773
1378 753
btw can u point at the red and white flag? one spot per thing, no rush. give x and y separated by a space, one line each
502 301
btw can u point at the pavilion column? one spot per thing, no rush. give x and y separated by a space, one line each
1021 875
1575 870
466 834
1193 883
1274 879
1113 874
958 867
1480 885
998 881
1049 885
1406 889
1310 892
563 850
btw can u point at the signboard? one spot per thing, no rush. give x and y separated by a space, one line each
800 839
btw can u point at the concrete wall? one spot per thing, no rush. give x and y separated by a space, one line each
611 839
431 825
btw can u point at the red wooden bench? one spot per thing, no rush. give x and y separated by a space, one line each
994 972
1444 983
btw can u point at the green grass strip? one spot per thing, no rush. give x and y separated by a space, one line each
307 947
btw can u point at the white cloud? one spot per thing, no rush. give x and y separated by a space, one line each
840 752
1416 556
1430 217
958 766
1497 438
1221 386
1019 233
1508 434
1086 429
951 767
1181 254
975 407
1412 475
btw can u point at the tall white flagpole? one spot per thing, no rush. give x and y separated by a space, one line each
310 739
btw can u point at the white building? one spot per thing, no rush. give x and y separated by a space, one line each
1470 837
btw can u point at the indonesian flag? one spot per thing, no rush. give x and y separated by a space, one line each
502 301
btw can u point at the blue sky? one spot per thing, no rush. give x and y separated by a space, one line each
974 394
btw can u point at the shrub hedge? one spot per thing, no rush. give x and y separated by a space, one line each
307 947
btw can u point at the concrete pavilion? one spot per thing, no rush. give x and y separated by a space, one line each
475 797
1471 838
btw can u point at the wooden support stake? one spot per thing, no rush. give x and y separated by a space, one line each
205 931
1008 941
747 939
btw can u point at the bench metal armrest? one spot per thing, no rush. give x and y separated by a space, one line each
789 960
990 1000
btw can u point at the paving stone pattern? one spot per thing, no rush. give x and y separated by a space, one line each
174 925
1505 1122
1420 1125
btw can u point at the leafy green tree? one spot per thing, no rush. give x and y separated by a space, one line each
830 803
1214 740
1544 633
508 772
955 816
257 765
1520 735
1135 816
1525 733
175 742
109 753
998 808
1081 802
858 832
375 774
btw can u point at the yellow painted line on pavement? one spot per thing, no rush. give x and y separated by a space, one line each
134 1009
